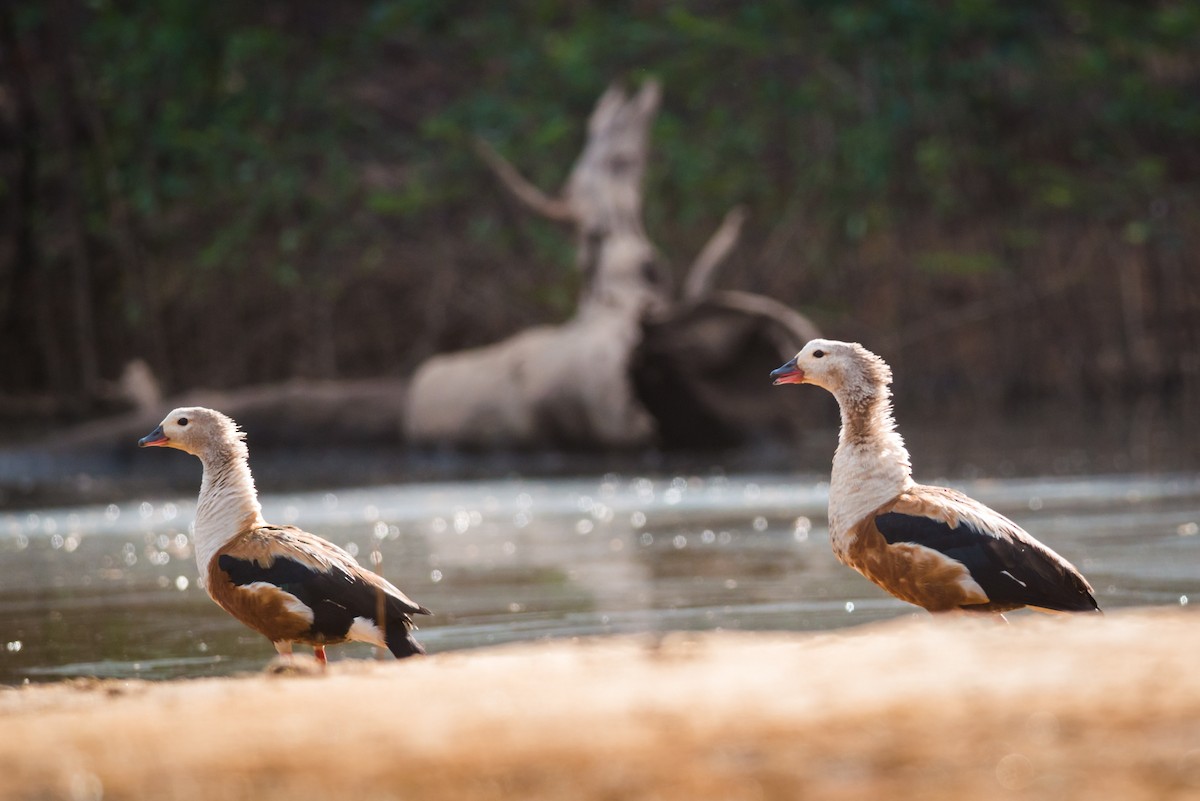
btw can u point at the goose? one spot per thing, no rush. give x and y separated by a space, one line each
286 584
929 546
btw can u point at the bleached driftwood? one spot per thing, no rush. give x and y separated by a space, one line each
584 383
566 384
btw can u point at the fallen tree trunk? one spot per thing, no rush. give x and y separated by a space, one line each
633 366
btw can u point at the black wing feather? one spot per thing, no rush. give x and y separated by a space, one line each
335 596
1011 570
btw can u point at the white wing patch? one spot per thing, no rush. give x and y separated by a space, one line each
1014 578
364 630
290 602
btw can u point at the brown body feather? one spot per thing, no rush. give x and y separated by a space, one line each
911 572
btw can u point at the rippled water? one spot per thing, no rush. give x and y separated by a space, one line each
111 590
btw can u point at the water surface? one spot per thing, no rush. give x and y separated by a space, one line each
111 591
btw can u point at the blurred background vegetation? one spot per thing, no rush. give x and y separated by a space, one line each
1002 196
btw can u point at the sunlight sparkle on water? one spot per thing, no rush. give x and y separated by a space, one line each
801 529
591 545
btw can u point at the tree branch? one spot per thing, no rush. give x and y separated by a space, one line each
538 201
700 275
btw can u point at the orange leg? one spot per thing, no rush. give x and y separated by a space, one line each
319 653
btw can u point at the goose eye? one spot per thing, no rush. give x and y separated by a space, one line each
818 354
182 421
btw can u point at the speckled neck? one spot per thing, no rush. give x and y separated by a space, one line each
871 465
865 418
228 503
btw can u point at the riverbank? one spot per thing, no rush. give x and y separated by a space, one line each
1043 708
99 463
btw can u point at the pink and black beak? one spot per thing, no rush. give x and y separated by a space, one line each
155 439
788 374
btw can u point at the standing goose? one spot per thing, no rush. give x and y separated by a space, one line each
929 546
286 584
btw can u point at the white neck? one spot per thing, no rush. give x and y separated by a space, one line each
228 504
871 465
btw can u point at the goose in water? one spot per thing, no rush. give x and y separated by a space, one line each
929 546
286 584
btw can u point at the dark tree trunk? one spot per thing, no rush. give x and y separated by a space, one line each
73 127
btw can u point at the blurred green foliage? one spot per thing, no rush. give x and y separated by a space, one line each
281 188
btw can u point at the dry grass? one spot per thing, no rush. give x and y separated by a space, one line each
917 709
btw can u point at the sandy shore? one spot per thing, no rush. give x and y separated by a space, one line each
917 709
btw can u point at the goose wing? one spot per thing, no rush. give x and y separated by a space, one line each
1011 566
328 586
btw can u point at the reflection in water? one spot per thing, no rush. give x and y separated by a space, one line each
111 591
